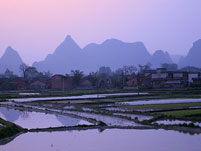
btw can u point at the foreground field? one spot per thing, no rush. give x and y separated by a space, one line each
184 113
110 111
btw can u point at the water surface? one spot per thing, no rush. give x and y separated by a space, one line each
162 101
90 96
38 120
108 140
173 122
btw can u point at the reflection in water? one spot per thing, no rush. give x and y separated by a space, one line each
88 96
25 115
109 140
173 122
31 120
67 120
9 114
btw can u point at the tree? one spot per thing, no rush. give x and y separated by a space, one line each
31 73
93 78
105 70
104 76
23 68
117 78
77 75
47 74
44 77
9 74
129 70
142 68
6 81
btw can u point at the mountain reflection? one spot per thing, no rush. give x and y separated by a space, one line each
67 120
10 114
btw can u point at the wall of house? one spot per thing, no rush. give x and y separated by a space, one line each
159 75
59 82
177 75
56 82
191 76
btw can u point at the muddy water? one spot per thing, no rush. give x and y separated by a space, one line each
38 120
108 140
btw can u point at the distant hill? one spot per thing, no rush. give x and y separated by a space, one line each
176 58
190 69
194 56
113 53
160 57
67 56
10 60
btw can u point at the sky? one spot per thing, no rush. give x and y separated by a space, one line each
36 27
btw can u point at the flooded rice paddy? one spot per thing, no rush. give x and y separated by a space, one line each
90 96
162 101
107 140
31 120
134 116
176 122
127 135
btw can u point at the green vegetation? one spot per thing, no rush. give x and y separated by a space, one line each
178 111
8 129
183 113
164 106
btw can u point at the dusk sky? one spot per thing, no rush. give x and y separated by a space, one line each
36 27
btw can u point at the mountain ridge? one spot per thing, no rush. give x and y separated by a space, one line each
112 52
10 60
193 56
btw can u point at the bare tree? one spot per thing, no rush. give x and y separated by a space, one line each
23 68
77 76
129 70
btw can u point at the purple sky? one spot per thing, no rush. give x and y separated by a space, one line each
36 27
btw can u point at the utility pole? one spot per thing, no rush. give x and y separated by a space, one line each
63 84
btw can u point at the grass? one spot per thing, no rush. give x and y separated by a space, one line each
9 129
164 106
183 113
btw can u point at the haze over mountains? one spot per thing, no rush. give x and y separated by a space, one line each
194 56
10 60
160 57
112 53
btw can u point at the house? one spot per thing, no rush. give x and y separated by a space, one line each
193 75
37 85
60 82
19 83
197 81
163 78
132 82
160 73
86 84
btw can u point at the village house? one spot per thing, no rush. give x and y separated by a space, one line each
193 75
197 81
132 82
60 82
37 85
163 78
19 83
85 84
